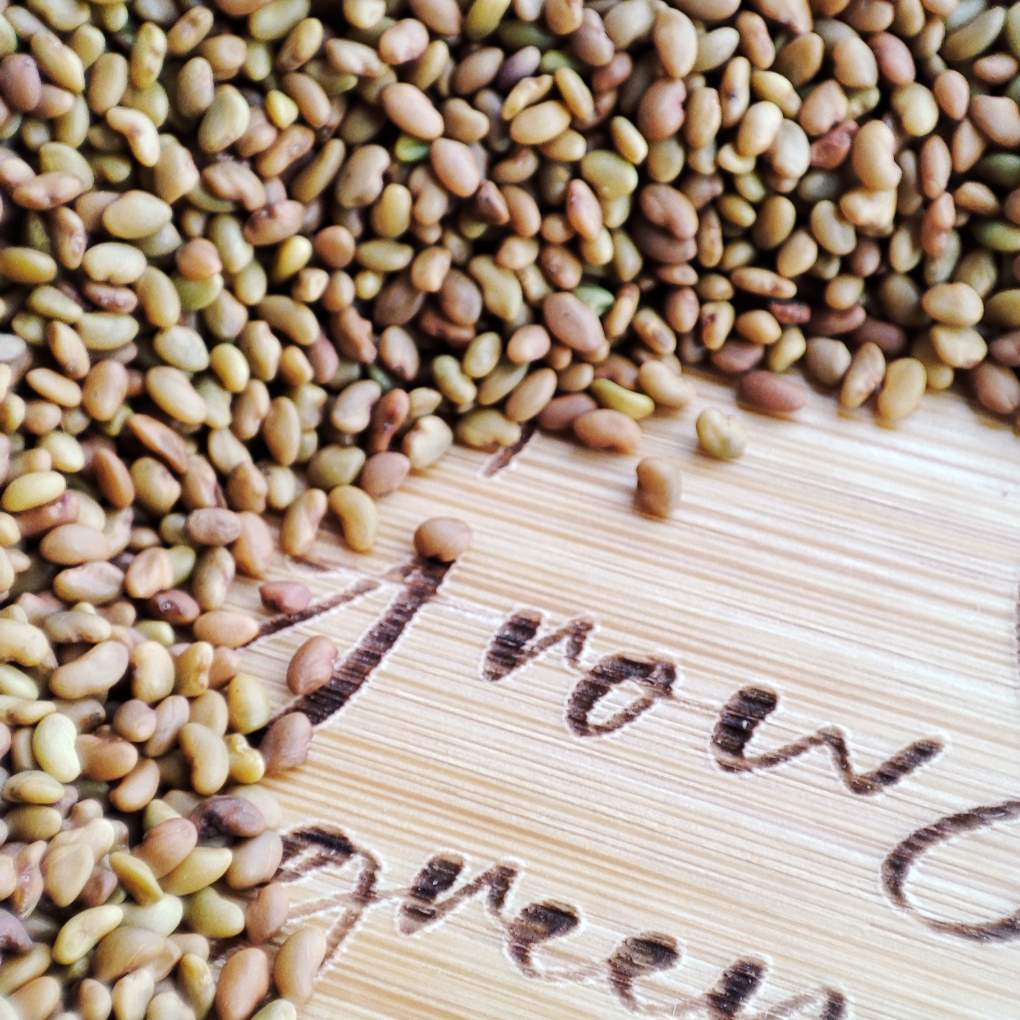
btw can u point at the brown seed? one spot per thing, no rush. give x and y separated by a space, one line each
198 259
243 984
384 473
274 223
952 90
72 544
529 343
958 346
13 936
1005 349
20 84
135 721
531 395
62 510
772 393
285 745
660 113
443 17
997 388
738 356
887 336
998 117
105 759
227 816
287 597
175 607
301 523
166 845
442 538
955 304
255 861
412 111
455 167
48 191
559 414
573 323
312 665
36 999
253 550
670 209
267 913
895 61
540 123
606 429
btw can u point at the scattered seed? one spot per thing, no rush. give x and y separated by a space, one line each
658 486
312 665
720 435
442 538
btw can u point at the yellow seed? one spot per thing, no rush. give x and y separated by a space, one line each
81 933
26 265
137 878
904 385
721 436
31 490
53 744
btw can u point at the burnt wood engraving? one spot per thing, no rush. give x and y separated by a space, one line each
419 581
652 677
751 706
905 857
433 895
517 643
520 642
443 884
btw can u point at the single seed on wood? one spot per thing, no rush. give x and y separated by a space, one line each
312 665
720 435
442 538
658 486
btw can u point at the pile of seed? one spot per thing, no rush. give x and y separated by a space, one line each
265 255
135 829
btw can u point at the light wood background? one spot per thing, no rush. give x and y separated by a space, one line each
867 575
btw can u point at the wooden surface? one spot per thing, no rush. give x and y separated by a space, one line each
867 577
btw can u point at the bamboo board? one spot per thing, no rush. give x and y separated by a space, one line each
635 853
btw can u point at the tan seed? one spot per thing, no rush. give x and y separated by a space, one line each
904 385
442 538
606 429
